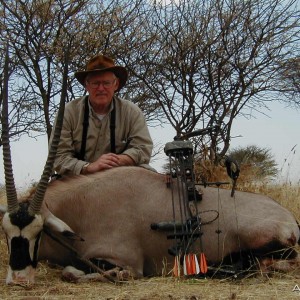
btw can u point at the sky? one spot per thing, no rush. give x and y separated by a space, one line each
279 131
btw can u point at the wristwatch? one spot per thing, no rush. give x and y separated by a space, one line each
84 170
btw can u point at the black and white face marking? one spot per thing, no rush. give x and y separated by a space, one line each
23 235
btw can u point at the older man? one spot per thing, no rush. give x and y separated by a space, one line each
102 131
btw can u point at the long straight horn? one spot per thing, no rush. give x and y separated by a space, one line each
36 203
11 193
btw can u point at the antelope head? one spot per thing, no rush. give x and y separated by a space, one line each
22 221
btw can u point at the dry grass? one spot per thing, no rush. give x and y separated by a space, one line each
50 286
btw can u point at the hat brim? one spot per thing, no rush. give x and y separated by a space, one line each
120 72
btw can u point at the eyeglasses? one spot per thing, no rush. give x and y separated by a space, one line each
106 83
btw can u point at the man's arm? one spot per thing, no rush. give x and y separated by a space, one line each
140 144
66 161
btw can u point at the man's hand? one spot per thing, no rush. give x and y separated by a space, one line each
108 161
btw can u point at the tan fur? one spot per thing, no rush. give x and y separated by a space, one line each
113 210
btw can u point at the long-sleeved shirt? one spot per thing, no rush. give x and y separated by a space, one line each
132 136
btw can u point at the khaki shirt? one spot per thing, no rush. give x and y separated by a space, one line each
131 130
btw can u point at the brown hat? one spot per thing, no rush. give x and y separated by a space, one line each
101 63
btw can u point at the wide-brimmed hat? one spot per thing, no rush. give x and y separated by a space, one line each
101 63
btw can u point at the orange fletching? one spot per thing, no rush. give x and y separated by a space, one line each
203 263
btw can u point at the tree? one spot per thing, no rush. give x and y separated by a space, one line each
260 161
206 62
39 34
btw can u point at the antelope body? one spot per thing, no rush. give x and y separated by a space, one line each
113 211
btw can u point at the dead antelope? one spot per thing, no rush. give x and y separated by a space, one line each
113 211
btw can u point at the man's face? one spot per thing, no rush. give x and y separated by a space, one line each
101 88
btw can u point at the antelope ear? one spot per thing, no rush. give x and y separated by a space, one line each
56 225
3 209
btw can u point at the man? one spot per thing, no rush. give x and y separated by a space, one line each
102 131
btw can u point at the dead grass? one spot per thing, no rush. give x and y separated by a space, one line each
50 286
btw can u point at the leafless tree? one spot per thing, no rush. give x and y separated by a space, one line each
206 62
38 33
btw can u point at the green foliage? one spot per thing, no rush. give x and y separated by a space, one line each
261 160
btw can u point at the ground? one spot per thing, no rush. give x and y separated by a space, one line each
50 286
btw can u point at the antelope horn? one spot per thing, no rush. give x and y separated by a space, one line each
11 193
36 204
